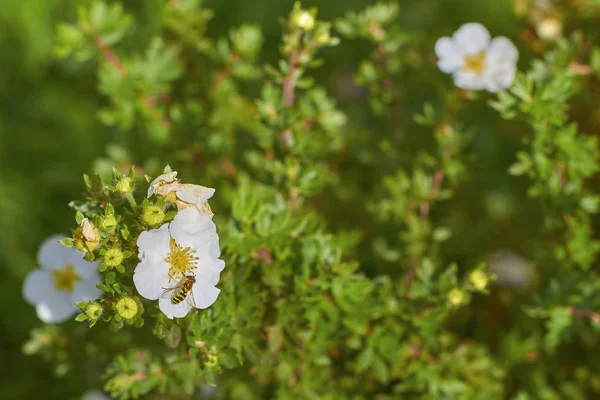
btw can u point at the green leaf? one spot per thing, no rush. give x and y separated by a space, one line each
79 217
81 317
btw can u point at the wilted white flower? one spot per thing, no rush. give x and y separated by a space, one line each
475 60
181 252
64 279
186 195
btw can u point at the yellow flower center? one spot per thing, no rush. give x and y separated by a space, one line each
182 261
475 62
65 278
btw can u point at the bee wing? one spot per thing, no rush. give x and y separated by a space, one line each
168 291
189 299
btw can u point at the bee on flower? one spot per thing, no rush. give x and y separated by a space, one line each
63 280
475 60
180 263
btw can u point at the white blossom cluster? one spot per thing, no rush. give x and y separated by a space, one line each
179 261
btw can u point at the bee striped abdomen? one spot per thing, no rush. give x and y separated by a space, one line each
182 291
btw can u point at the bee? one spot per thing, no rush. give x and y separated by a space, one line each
181 291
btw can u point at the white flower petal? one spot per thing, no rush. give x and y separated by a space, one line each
209 272
450 57
501 51
204 294
38 286
469 80
56 308
174 310
192 229
84 268
154 244
51 254
194 194
95 395
471 38
150 279
500 78
86 290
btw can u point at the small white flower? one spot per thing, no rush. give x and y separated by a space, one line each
549 29
186 195
95 395
186 248
475 60
64 279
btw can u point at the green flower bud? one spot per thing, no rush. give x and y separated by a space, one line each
303 20
153 215
323 38
125 185
456 297
80 245
113 257
478 279
127 308
171 197
93 311
212 361
108 223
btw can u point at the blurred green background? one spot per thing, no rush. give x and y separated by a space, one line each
49 136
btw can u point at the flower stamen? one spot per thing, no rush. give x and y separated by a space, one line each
65 278
475 62
182 261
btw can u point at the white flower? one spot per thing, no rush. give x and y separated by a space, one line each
64 279
186 195
186 248
512 270
549 29
475 60
95 395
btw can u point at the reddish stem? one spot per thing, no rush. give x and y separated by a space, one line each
289 83
592 316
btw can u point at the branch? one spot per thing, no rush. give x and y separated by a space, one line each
438 178
114 60
592 316
110 56
289 83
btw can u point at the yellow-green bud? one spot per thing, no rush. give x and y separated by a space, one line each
212 360
478 279
303 20
127 307
171 197
108 222
80 245
93 311
124 185
456 297
153 215
113 257
324 38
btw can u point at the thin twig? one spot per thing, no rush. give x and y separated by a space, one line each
114 60
592 316
438 178
289 83
110 56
